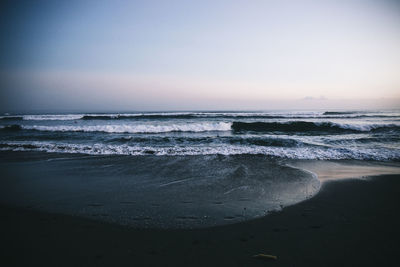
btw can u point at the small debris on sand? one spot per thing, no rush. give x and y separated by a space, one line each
265 256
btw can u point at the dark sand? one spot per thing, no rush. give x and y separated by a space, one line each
350 222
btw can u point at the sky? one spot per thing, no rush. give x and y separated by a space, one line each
199 55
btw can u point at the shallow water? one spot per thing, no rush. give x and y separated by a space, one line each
154 191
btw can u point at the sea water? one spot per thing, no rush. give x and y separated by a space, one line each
370 135
181 169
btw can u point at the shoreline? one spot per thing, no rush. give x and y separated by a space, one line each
333 170
349 222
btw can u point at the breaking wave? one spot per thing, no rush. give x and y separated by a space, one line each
304 126
141 128
236 127
278 152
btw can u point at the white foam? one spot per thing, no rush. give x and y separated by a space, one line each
63 117
362 127
291 153
139 128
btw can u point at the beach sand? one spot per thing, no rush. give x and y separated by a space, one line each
350 222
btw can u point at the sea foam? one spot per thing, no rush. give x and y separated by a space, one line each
139 128
320 153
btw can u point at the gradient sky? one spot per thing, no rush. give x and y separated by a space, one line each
192 55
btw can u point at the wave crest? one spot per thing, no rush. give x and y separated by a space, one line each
140 128
304 126
321 153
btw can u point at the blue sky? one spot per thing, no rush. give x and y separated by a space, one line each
173 55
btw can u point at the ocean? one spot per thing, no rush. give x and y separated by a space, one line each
181 169
371 135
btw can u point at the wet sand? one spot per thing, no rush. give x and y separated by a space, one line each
350 222
345 169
